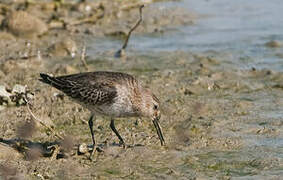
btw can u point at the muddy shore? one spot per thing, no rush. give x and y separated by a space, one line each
214 116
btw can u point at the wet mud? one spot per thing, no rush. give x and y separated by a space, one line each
219 121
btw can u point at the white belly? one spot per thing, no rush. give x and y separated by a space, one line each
121 106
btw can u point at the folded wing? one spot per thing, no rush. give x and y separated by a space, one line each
82 89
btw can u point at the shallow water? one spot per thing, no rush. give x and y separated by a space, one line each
238 28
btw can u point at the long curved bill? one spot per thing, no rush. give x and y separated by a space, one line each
159 131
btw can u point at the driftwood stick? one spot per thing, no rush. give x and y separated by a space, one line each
133 28
119 53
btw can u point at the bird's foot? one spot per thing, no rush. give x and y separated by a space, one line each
122 143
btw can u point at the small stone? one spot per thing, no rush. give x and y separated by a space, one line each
3 92
20 23
273 44
19 89
83 148
66 47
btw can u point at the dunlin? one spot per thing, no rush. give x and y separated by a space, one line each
111 94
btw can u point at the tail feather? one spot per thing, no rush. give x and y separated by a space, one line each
53 81
45 78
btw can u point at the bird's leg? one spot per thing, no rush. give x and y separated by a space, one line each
90 123
112 126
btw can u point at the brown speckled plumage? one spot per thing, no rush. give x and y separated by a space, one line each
94 88
112 94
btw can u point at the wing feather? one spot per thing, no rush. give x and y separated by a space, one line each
94 93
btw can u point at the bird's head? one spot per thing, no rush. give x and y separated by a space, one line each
151 109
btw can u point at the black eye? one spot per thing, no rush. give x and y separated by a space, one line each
155 107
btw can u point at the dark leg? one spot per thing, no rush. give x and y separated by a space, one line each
90 123
112 126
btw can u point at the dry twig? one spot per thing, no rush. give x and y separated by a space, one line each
120 52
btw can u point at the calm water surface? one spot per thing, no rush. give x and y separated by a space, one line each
239 28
